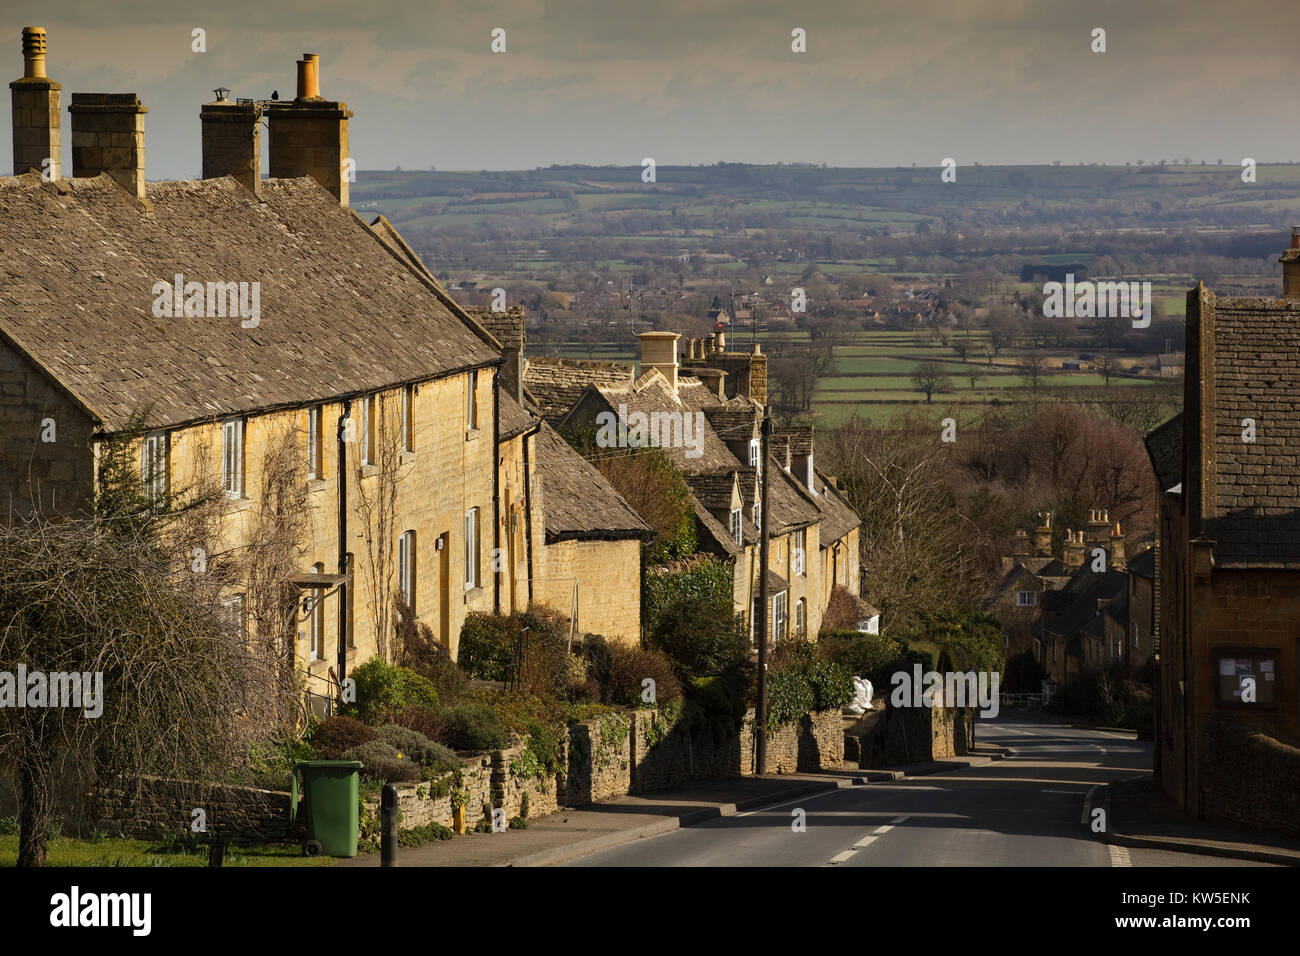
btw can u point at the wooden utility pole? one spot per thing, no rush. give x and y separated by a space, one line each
760 708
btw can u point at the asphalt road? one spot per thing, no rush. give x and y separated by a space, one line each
1024 810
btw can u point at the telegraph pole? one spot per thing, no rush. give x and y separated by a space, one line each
760 709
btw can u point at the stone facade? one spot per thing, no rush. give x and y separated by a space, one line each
56 474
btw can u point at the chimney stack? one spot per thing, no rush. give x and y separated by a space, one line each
1043 535
108 137
1291 267
36 107
1118 562
1074 552
232 140
309 137
659 350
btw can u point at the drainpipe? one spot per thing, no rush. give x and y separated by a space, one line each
343 544
528 516
496 488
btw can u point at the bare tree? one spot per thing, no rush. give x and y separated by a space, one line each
160 675
931 377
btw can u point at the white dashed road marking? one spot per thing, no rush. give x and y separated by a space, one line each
1119 856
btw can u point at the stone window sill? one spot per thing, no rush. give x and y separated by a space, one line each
315 485
368 471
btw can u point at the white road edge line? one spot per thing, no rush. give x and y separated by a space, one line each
1087 802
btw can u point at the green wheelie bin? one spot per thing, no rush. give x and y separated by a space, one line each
329 792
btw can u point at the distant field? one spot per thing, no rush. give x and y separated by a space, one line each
877 386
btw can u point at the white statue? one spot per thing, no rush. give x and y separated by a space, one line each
862 693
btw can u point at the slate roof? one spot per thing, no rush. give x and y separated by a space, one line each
838 516
1144 565
513 418
1077 603
555 384
1256 356
578 503
1165 449
341 313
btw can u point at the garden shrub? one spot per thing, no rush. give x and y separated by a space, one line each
690 617
423 653
385 689
474 726
337 734
629 666
717 697
488 643
596 652
416 746
870 656
383 762
430 721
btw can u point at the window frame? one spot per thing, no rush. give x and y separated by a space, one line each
471 401
473 549
755 452
315 445
738 526
1021 602
316 622
233 608
406 569
800 551
232 457
369 429
408 420
155 450
780 616
801 617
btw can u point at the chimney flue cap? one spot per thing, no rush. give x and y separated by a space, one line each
221 94
33 53
1295 237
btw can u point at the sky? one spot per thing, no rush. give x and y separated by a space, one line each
701 81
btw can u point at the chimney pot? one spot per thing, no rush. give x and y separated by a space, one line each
34 53
309 77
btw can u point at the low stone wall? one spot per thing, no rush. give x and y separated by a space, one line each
890 736
1249 778
151 806
605 757
814 742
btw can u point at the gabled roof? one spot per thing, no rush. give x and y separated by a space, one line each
513 418
1082 598
1165 449
1144 565
556 384
340 313
578 503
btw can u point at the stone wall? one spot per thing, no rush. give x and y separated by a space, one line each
890 736
1249 778
604 758
151 806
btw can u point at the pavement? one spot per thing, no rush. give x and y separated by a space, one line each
1138 816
